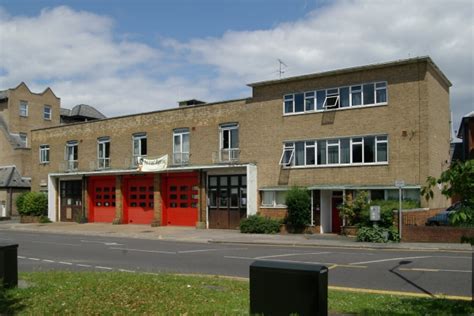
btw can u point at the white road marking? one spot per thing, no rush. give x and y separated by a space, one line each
291 261
67 263
391 259
6 239
46 260
34 259
240 258
55 243
143 250
84 265
125 270
21 257
106 243
205 250
434 270
292 254
104 268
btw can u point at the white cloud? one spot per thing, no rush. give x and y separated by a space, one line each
80 55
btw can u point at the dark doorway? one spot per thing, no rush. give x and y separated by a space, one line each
71 200
336 219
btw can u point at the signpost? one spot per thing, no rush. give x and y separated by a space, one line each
400 184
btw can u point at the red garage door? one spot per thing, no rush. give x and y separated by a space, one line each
101 199
180 199
138 204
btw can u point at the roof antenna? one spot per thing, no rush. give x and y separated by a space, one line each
281 70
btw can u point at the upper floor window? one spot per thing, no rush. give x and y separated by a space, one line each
338 151
47 112
181 146
44 153
366 94
103 152
23 139
72 155
23 108
139 146
229 142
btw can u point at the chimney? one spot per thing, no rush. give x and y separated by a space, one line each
191 102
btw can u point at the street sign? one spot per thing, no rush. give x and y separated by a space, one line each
399 183
375 213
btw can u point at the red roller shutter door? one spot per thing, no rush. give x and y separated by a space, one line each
180 199
138 200
102 199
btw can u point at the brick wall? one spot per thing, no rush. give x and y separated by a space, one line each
416 217
435 234
275 213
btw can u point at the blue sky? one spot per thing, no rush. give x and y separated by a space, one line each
134 56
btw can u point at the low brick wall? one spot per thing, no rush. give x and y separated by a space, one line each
275 213
29 219
416 217
411 233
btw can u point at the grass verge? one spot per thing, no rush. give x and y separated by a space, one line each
107 293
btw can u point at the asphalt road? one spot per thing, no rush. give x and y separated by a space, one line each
430 272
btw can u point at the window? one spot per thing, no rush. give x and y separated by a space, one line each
47 112
181 146
139 142
23 139
103 152
338 151
273 198
72 155
366 94
44 153
229 142
23 108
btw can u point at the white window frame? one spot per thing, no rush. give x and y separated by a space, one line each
306 146
274 202
333 143
288 147
230 153
72 164
103 162
352 89
380 141
47 115
23 139
179 155
44 154
138 137
23 110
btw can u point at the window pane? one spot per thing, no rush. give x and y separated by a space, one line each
213 197
369 93
381 152
213 181
356 98
225 138
280 199
381 95
144 147
235 138
320 97
299 102
267 198
223 180
234 180
345 150
223 197
185 143
289 106
369 149
356 153
333 154
234 197
377 194
310 156
177 143
321 152
299 153
344 95
309 102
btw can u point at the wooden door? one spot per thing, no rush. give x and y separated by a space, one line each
71 200
227 201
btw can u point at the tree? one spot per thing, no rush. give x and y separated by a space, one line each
457 181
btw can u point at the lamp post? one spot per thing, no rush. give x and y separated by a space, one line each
399 184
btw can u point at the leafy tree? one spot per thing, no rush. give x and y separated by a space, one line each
298 202
457 181
352 210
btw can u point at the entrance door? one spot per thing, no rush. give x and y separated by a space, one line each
71 200
227 201
102 199
180 199
336 219
138 200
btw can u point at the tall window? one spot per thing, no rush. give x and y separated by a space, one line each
23 139
44 153
139 146
72 155
103 152
47 112
23 108
229 142
181 146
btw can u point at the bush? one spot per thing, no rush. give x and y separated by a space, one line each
43 219
298 202
377 234
256 224
32 204
19 201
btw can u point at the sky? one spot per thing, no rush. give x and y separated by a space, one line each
134 56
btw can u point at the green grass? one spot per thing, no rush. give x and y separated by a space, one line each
112 293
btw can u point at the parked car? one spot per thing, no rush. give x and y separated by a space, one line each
442 218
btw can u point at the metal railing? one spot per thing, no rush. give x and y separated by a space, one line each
180 158
229 155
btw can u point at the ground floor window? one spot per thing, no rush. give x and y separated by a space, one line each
273 198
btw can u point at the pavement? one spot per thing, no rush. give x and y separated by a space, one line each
191 234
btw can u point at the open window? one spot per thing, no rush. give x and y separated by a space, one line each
287 155
332 99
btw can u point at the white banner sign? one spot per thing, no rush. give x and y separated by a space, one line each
157 164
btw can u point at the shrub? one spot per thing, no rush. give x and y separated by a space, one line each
256 224
377 234
19 201
44 219
298 202
33 204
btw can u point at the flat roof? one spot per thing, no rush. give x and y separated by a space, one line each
355 69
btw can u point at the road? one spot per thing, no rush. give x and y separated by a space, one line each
430 272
